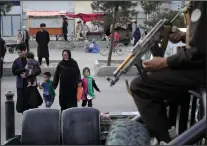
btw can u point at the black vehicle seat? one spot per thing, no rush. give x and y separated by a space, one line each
80 126
41 127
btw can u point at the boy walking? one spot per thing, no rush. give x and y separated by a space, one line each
48 91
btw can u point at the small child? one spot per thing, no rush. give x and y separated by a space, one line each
88 84
48 91
30 67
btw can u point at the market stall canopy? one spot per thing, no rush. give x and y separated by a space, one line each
87 17
44 13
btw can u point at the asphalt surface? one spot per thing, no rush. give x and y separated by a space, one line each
111 99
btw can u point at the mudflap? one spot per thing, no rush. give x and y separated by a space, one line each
41 127
81 126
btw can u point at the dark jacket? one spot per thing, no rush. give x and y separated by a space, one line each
195 56
65 27
137 34
18 68
2 47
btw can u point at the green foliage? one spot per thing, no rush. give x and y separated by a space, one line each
116 11
154 9
150 7
179 22
5 7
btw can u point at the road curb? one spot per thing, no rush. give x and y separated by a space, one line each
102 70
7 68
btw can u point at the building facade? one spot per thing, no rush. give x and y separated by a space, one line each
11 22
17 18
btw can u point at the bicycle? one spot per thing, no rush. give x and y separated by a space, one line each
72 43
119 48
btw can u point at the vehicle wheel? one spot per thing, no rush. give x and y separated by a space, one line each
11 50
105 51
128 132
120 49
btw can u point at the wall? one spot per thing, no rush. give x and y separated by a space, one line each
82 7
11 22
67 6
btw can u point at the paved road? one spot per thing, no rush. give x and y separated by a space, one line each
111 99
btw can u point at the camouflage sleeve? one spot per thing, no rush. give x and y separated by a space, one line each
196 54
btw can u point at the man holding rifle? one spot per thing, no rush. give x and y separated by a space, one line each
172 77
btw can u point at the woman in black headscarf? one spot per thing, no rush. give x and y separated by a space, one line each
68 73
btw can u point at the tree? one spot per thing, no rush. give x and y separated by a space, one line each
5 7
119 10
154 9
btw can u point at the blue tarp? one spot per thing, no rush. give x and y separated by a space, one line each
93 48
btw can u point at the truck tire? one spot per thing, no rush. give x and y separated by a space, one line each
128 132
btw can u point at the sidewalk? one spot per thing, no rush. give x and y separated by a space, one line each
83 59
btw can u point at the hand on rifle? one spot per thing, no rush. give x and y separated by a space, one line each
156 63
176 35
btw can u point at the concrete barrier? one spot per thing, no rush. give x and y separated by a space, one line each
7 68
102 70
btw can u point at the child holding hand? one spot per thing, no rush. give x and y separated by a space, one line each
88 84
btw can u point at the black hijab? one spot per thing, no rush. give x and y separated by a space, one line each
69 64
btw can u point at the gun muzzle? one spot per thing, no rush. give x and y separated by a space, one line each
111 81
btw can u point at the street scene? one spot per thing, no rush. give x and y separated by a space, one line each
116 57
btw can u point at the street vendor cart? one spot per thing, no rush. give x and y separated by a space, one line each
52 19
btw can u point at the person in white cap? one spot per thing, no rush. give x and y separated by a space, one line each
26 37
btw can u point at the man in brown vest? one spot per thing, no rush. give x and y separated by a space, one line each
172 77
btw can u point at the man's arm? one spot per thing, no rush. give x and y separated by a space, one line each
37 37
16 70
48 37
196 54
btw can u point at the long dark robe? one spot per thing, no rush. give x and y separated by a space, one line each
27 97
42 38
68 73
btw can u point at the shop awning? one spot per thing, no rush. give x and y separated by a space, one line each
87 17
44 13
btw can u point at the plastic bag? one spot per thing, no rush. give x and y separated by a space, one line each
79 93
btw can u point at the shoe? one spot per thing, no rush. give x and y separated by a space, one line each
163 143
154 141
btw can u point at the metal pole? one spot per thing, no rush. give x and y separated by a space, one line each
9 115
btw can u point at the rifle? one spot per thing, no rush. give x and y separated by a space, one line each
158 34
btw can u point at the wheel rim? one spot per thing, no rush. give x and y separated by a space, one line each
120 49
104 51
69 45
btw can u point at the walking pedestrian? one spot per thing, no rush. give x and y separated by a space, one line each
136 35
88 84
27 97
43 38
26 37
68 73
65 28
48 91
